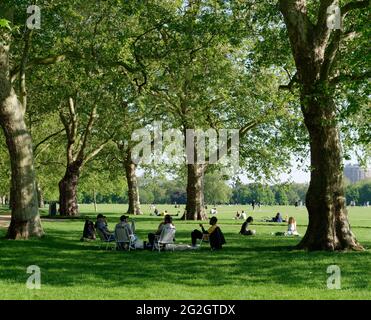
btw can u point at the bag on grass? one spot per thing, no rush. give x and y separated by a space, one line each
89 231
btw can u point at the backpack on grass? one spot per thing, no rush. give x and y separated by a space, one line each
89 231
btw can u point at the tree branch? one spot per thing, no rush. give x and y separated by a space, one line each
351 77
37 61
350 6
92 154
22 79
290 85
46 139
87 132
330 55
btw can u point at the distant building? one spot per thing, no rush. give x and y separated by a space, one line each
355 173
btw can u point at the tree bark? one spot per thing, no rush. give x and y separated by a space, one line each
133 190
314 51
40 196
328 227
195 209
68 204
25 220
95 200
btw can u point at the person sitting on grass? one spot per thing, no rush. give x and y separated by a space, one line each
243 215
244 231
102 227
167 221
291 229
237 216
213 234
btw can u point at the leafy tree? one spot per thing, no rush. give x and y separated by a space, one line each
323 59
281 197
217 191
364 192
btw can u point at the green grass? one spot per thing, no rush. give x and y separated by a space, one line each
258 267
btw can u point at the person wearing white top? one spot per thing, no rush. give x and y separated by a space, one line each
243 215
291 228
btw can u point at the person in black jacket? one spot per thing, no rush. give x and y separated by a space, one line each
214 235
244 231
217 239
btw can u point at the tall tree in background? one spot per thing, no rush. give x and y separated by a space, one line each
316 49
197 76
79 152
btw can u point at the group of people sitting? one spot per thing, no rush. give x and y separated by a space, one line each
213 234
291 228
241 215
163 213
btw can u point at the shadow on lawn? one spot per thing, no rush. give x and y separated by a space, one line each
64 261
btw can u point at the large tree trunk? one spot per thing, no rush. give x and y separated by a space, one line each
195 209
68 191
314 49
25 220
328 227
133 190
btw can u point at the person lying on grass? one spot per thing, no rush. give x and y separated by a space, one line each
244 231
214 235
278 218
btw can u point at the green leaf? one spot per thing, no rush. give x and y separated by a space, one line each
4 24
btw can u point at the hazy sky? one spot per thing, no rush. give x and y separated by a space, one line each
298 174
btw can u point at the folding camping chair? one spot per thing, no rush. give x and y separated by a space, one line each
108 242
166 237
205 238
124 240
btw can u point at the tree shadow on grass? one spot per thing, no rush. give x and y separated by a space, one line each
244 261
66 262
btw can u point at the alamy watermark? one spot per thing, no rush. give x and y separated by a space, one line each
34 280
334 280
333 17
192 146
34 20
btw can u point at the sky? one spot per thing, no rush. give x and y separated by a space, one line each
297 175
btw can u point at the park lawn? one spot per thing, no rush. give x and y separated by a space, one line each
258 267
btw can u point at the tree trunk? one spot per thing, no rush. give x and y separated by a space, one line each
195 209
40 196
68 191
328 227
315 48
95 200
25 220
133 190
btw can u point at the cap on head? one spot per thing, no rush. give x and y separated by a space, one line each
123 218
100 216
